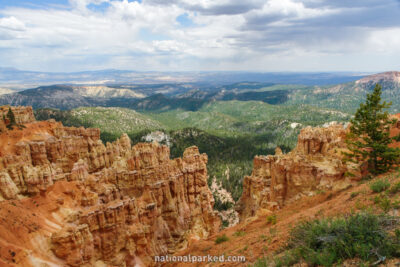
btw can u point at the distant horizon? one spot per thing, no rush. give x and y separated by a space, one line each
201 71
24 79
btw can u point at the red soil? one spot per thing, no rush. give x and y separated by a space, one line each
34 131
23 221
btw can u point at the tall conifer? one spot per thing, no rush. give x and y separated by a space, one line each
369 136
11 119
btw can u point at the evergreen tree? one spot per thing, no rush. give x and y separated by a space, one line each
11 119
369 136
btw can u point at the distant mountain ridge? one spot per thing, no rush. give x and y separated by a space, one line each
67 97
348 96
390 76
21 79
142 97
192 96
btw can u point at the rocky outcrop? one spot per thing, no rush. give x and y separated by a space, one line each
315 164
119 205
8 189
22 114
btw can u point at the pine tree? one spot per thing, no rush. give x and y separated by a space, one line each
11 119
369 136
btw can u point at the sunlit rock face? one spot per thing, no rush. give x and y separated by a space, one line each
314 164
22 114
72 200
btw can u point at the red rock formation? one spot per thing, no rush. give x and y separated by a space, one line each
22 114
3 126
315 164
110 203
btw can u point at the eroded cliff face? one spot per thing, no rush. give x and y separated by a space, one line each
315 164
67 199
22 115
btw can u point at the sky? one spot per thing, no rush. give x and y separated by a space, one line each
200 35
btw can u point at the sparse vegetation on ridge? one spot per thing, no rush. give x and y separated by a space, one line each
329 241
379 186
221 239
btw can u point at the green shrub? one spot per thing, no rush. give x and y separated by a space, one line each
384 203
262 262
271 219
288 259
397 233
395 188
221 239
330 241
239 233
396 204
225 223
221 205
354 194
380 186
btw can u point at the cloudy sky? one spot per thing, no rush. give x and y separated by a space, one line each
198 35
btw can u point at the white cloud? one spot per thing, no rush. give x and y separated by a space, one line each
12 23
385 41
225 34
169 46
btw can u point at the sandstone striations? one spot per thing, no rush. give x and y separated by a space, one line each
88 204
315 164
22 114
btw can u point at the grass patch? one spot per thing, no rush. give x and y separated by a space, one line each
379 186
395 188
221 239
